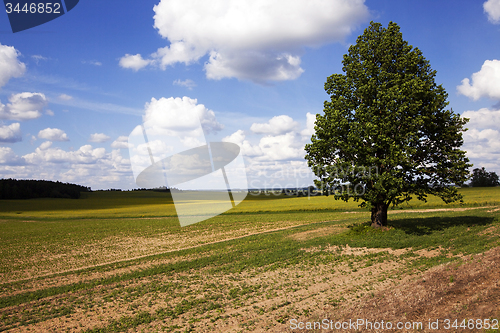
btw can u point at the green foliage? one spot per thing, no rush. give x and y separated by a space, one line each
483 178
385 130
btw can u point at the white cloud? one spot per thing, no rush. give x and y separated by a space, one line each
84 155
276 125
177 52
247 149
492 9
120 143
170 126
282 147
23 106
281 140
65 97
49 112
53 134
9 65
256 40
99 137
483 147
254 66
274 154
309 130
134 62
8 157
186 83
45 145
87 166
482 140
157 148
38 57
179 117
483 118
485 83
11 133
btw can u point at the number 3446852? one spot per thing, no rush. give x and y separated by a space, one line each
34 8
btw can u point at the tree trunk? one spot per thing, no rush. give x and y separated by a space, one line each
379 215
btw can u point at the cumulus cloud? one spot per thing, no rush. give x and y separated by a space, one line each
85 155
254 66
483 118
11 133
247 149
10 66
120 143
99 137
9 158
482 140
170 126
282 147
179 117
254 40
483 147
53 134
280 140
310 121
156 147
485 83
45 145
23 106
492 9
134 62
186 83
276 125
87 166
274 152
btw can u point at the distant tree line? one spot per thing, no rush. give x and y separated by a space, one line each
29 189
483 178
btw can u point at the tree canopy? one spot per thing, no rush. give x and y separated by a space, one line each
386 135
28 189
483 178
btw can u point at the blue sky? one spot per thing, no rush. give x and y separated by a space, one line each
73 90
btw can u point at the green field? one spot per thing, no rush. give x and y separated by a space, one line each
119 261
159 204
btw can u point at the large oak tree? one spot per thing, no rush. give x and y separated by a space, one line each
386 135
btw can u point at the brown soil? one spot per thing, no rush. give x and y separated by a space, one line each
467 290
114 250
307 292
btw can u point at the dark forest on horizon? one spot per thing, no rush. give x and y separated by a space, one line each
31 189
